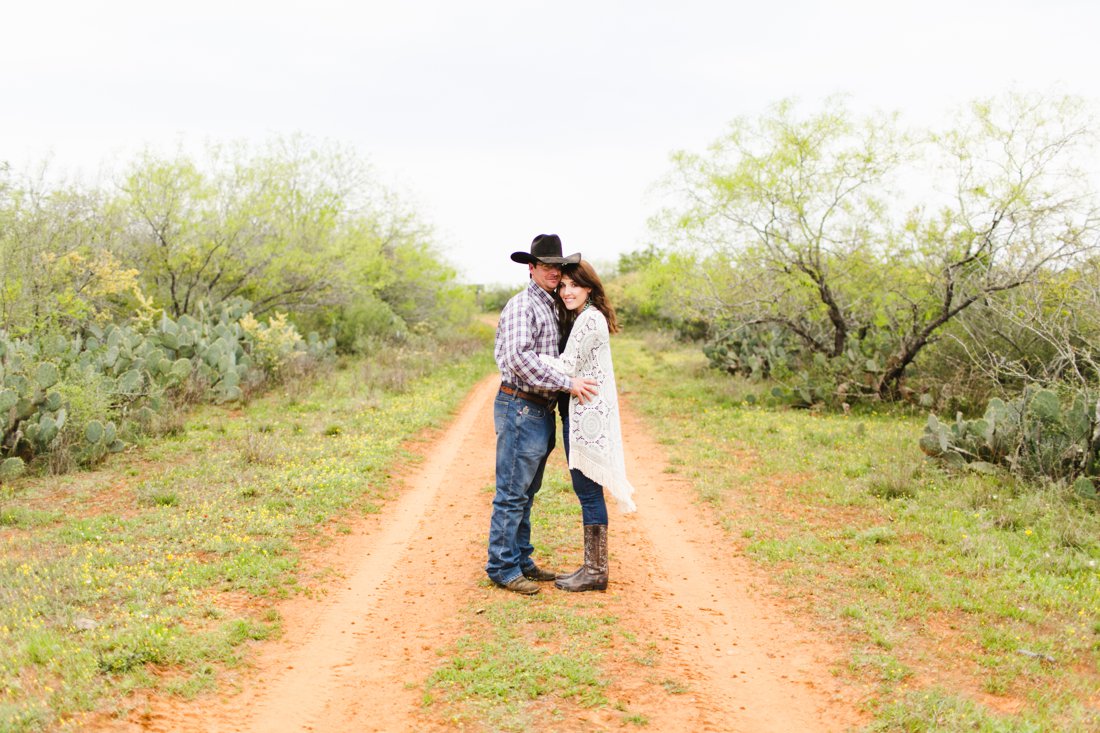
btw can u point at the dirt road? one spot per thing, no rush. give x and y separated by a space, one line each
355 659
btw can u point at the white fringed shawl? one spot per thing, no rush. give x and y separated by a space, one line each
595 435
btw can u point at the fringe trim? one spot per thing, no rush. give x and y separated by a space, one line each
616 485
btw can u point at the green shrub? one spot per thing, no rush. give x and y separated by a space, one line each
360 326
89 395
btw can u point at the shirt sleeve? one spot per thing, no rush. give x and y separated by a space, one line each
518 354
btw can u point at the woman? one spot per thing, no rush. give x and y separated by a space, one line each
593 437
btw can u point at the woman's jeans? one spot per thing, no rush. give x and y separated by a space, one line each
525 437
589 493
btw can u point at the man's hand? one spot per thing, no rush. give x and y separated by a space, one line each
584 389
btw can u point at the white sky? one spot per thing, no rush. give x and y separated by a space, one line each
501 120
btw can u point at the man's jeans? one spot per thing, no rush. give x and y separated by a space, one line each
525 437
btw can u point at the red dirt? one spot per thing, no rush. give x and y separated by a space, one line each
355 656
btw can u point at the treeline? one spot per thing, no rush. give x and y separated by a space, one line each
289 227
198 276
848 259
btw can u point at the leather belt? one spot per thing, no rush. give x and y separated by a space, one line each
529 396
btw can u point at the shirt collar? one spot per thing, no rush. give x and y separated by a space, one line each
547 297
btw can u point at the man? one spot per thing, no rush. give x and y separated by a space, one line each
523 413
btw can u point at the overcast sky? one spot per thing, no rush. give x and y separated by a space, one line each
501 120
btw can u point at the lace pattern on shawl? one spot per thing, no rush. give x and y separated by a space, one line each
595 433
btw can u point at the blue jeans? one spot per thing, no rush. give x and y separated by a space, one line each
589 493
525 437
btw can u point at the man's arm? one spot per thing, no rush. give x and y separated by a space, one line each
517 353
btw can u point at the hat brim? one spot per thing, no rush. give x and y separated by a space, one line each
528 258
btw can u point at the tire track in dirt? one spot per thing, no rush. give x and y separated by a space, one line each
355 659
361 665
748 663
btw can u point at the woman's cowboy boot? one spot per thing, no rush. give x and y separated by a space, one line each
569 576
576 573
593 574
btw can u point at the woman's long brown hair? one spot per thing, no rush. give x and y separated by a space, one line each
584 275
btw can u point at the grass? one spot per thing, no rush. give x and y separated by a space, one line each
110 577
961 601
531 663
932 580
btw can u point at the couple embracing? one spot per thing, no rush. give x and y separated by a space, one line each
553 350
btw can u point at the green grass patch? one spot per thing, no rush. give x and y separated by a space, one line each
109 574
674 687
17 516
934 710
525 662
910 566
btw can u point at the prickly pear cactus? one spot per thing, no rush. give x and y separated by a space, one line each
1032 436
10 468
141 371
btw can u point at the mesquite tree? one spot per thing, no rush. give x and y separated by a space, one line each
1045 332
862 243
236 223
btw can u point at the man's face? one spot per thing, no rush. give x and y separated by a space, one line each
545 276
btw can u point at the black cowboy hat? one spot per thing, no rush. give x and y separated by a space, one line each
546 248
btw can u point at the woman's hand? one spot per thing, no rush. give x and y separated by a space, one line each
584 389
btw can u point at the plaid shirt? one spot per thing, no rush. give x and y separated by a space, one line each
528 327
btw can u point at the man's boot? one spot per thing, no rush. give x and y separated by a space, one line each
536 573
593 574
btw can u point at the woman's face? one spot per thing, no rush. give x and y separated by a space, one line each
574 296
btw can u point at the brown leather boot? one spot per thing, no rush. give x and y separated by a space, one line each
522 585
576 573
536 573
593 574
